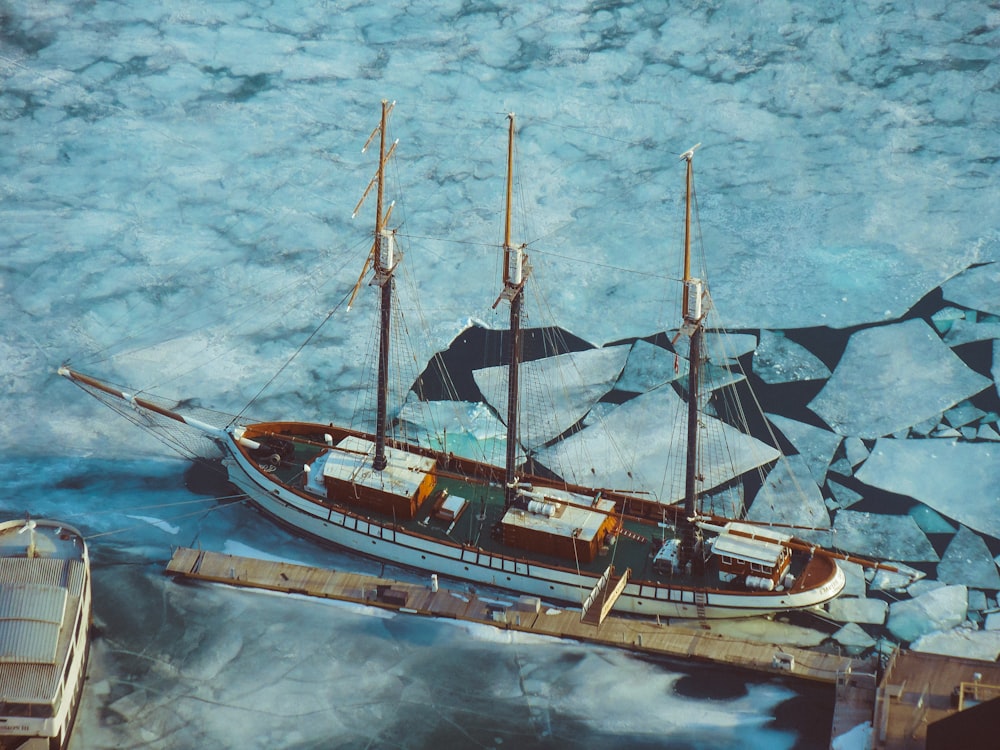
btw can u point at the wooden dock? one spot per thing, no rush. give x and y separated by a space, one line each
525 614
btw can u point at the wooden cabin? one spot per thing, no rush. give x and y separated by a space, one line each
559 524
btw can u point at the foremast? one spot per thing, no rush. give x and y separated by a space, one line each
515 273
693 327
384 259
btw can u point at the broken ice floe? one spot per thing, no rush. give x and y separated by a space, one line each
719 348
884 537
930 521
853 638
892 377
962 642
780 360
852 609
636 448
967 332
975 288
968 561
855 585
649 366
815 444
790 495
957 479
896 581
843 497
560 389
936 610
464 428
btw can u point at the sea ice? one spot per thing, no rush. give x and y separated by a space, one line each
940 609
464 428
721 349
884 537
856 450
961 642
946 318
778 359
963 414
975 288
851 609
790 495
995 369
843 496
930 521
556 392
968 561
966 332
856 584
959 480
815 444
158 523
856 738
853 638
650 366
924 586
977 600
901 374
638 447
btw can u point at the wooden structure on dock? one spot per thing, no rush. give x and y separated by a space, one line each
919 690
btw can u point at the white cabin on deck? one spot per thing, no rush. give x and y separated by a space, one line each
760 556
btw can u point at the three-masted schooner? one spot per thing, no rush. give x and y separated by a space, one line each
452 516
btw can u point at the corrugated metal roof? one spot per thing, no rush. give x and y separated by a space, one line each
29 632
29 622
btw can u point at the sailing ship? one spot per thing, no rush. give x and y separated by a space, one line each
45 611
539 536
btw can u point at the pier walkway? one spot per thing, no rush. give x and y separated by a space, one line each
525 614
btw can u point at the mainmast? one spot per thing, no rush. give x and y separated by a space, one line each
384 260
515 272
693 326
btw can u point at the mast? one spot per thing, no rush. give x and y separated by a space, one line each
515 272
693 326
383 259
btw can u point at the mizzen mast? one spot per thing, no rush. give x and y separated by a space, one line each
692 325
515 273
384 258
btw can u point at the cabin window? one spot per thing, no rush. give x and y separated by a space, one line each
727 560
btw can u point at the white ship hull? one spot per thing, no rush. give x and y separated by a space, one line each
468 563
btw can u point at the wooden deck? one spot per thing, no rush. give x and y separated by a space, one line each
526 614
919 689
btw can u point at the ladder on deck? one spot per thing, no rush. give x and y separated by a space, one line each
700 600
